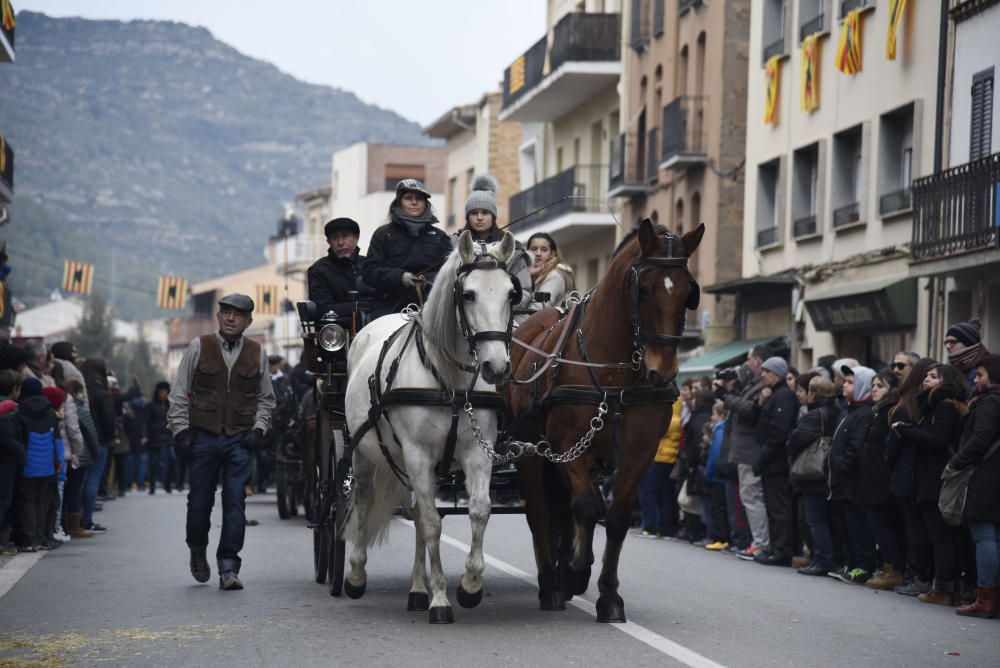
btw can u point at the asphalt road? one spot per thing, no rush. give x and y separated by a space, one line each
127 598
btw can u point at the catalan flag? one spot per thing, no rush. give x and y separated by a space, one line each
78 277
517 76
896 8
8 16
772 74
172 292
809 95
267 300
849 46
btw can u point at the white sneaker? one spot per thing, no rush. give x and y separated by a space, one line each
61 536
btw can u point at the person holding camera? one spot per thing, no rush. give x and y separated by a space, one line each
220 409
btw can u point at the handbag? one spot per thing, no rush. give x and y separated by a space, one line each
810 465
687 503
955 488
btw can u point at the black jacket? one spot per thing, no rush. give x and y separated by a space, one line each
156 426
11 444
777 419
934 439
872 487
846 450
899 456
820 420
690 455
331 278
982 429
392 252
102 409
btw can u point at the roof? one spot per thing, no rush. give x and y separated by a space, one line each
750 284
730 353
455 120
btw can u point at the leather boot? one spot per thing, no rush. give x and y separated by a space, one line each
941 593
886 579
985 605
73 527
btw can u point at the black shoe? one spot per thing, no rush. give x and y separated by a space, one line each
229 581
814 569
774 559
199 565
95 527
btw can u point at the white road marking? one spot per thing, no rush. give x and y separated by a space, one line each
16 569
668 284
674 650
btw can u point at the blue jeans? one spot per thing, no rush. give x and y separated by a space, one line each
987 537
93 481
136 474
818 519
658 500
212 455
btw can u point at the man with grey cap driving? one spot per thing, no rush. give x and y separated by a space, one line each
220 408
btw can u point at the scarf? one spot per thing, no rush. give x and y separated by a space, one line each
414 226
980 391
968 359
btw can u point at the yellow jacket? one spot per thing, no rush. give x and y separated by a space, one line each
670 444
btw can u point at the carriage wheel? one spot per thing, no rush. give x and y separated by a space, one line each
322 500
339 514
282 489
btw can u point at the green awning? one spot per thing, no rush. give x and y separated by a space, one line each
732 353
887 303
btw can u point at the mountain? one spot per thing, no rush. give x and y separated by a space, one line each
156 143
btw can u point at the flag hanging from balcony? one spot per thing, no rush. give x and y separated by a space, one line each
172 293
849 47
896 8
78 277
517 76
772 75
267 300
809 95
8 16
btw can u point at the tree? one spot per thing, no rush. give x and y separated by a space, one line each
94 335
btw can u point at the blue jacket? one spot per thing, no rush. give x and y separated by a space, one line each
43 446
714 450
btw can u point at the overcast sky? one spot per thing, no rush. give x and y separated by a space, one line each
416 58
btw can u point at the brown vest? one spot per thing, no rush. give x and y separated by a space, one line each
220 405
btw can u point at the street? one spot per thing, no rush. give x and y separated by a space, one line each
127 598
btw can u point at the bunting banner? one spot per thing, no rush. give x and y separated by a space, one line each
8 16
772 75
809 95
849 46
896 9
267 300
78 277
172 292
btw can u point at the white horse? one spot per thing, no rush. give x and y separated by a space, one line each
483 297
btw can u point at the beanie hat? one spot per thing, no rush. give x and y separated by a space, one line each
776 365
55 396
483 195
7 406
31 387
966 332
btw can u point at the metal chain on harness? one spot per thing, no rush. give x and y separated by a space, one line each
518 449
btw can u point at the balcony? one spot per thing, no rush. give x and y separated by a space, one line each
804 227
6 171
7 34
775 48
767 237
954 211
585 58
568 203
812 26
846 215
627 175
684 134
895 203
653 155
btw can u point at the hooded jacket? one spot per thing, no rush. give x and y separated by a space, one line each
40 429
848 443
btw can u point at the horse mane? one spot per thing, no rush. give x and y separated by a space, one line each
660 229
438 313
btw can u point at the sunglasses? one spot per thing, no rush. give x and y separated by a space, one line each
900 365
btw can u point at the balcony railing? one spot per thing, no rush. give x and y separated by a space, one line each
653 155
811 26
578 188
627 169
847 5
895 202
804 227
587 38
524 73
775 48
846 215
767 237
683 133
954 211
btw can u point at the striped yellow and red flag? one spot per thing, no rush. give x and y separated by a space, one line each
849 46
809 95
8 16
267 300
172 292
772 76
896 8
78 277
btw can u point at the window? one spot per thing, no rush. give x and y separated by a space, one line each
812 17
658 17
805 191
396 173
682 73
981 127
774 29
895 161
699 65
848 167
767 203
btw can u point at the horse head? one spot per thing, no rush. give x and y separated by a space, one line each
662 289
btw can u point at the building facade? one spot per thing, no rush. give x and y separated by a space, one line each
7 27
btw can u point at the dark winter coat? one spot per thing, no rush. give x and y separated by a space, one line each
982 429
332 278
777 419
39 427
743 415
134 421
157 433
934 439
820 420
11 445
873 481
393 252
691 450
899 456
846 450
102 410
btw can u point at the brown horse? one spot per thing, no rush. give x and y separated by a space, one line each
628 328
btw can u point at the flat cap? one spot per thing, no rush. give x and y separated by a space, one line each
348 225
237 301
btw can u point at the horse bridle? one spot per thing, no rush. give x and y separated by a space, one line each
484 260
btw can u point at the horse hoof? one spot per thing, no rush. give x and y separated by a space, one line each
577 582
611 609
442 615
552 600
354 591
418 601
467 600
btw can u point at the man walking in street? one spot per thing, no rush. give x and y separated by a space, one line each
220 408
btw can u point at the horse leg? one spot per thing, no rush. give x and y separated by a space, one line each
424 483
356 580
532 475
586 509
418 600
477 483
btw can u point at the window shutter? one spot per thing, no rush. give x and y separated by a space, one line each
981 126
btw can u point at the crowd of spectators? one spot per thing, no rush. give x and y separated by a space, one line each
732 473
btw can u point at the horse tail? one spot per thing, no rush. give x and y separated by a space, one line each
387 494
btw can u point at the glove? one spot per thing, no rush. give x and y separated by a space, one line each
253 440
409 279
182 445
758 467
